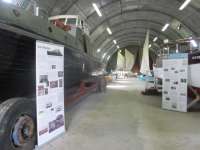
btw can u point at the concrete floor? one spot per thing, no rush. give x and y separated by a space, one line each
123 119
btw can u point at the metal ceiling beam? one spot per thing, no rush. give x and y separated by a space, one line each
111 47
110 3
123 42
66 7
127 42
143 23
121 35
134 30
148 19
140 37
112 50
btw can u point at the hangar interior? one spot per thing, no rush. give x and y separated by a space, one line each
127 72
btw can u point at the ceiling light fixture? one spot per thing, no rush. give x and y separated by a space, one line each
179 27
165 41
109 31
98 50
114 41
104 55
118 46
165 48
194 43
97 9
155 39
165 27
184 5
8 1
108 58
149 45
37 11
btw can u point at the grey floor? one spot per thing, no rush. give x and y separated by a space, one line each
123 119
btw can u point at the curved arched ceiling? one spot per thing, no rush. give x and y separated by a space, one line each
110 49
104 38
138 37
129 20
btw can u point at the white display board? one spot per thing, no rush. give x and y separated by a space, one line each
49 91
158 72
175 81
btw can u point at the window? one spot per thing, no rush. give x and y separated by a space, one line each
71 21
62 20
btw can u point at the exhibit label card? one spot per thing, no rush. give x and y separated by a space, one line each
49 91
175 82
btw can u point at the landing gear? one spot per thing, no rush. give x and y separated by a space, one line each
17 124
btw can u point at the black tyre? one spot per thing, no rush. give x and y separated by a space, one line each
18 124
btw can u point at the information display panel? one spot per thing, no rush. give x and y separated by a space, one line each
175 82
49 91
